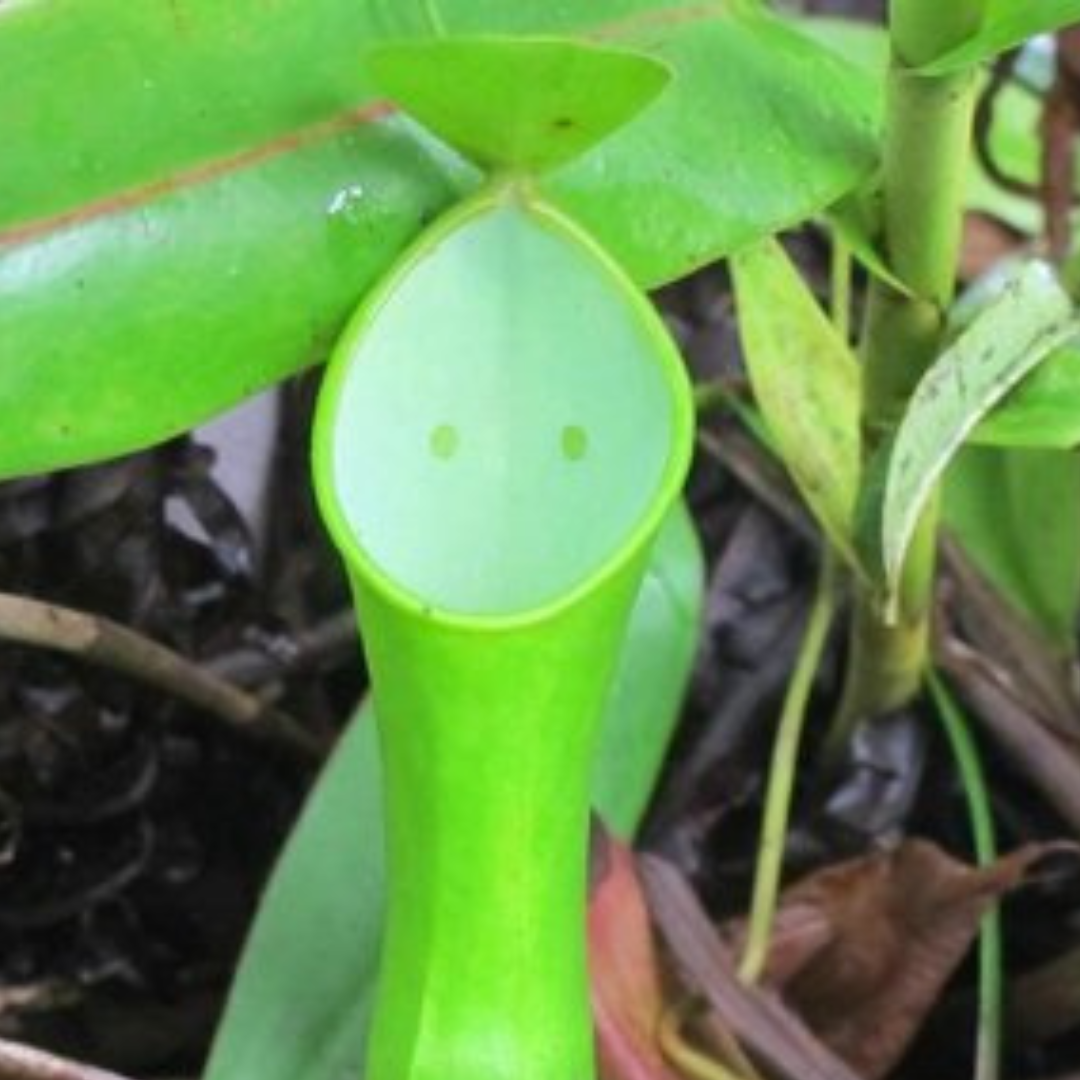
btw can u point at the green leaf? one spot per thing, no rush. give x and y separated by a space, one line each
1013 138
204 222
857 222
303 992
772 127
1007 23
1019 328
865 44
1043 412
648 690
806 382
300 1004
856 219
132 326
1017 514
521 103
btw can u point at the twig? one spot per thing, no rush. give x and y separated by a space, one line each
683 1056
758 1019
37 997
251 666
107 644
1060 122
1037 676
759 474
19 1062
1050 762
1000 76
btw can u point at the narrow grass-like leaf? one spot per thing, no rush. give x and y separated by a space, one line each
806 382
783 770
1032 316
856 223
1017 514
969 766
521 103
1007 23
320 924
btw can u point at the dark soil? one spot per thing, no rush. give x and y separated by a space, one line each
135 833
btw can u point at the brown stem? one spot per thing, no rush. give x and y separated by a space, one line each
1060 123
1001 75
107 644
19 1062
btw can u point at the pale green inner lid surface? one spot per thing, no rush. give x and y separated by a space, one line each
504 422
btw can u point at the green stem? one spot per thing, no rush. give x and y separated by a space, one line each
840 286
785 760
926 149
988 1048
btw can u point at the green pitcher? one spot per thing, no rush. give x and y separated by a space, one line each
503 428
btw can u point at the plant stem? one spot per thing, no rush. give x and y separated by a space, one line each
782 771
20 1062
690 1062
924 29
840 286
107 644
927 143
988 1047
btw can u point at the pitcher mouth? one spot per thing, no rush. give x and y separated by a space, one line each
499 471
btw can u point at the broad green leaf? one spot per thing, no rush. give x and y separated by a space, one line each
648 691
863 43
303 992
1013 139
1017 514
806 382
522 103
300 1003
770 105
203 222
1031 317
1043 412
1007 23
132 326
856 219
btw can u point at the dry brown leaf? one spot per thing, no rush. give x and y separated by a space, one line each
627 997
900 924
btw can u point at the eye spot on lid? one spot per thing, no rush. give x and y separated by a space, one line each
443 442
574 442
